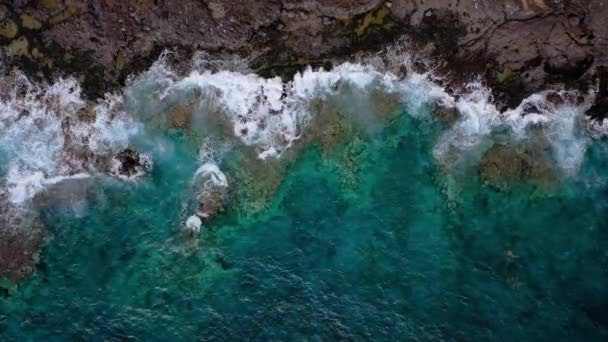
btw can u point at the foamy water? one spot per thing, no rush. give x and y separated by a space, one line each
272 114
561 123
268 114
43 140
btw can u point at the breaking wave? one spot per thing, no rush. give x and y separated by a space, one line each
272 114
49 133
61 135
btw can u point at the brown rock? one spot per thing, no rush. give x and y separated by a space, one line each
180 117
504 165
21 237
210 203
8 29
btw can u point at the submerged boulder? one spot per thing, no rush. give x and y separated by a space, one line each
180 117
505 165
212 185
18 253
21 235
446 114
210 203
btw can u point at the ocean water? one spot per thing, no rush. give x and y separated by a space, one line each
351 213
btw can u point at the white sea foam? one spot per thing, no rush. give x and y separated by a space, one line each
479 119
112 128
211 176
271 114
42 140
268 113
597 128
194 224
419 93
24 187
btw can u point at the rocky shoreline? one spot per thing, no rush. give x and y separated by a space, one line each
517 46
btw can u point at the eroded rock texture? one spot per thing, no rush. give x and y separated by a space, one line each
21 236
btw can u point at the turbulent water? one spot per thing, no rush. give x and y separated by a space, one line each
355 203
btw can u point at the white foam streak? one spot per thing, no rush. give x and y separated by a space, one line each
41 139
24 187
271 114
419 93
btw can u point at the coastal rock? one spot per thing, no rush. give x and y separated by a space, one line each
211 185
210 203
129 163
600 109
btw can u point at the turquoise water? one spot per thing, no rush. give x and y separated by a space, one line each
367 237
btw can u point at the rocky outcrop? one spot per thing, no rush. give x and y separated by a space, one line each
129 163
521 46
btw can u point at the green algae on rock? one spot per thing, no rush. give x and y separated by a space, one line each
8 29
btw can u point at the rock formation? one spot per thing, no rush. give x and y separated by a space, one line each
129 163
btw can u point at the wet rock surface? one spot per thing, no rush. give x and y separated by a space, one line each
521 46
210 203
505 165
130 163
20 240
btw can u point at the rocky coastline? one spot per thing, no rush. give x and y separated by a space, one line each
517 46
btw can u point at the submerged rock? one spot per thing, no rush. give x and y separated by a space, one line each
212 186
21 235
210 203
180 117
446 114
505 165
